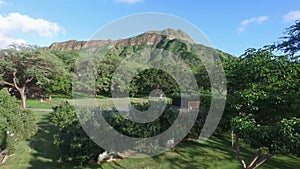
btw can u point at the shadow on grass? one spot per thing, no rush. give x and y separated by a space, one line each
215 153
187 155
45 154
286 162
199 155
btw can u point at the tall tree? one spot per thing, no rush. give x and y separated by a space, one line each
22 66
279 138
264 97
290 43
259 80
63 83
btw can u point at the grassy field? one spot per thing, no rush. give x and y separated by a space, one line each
102 102
216 153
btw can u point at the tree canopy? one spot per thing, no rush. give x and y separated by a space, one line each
290 43
264 85
264 105
22 67
74 143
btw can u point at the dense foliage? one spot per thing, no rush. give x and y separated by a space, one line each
142 130
77 147
281 137
15 124
132 59
264 85
290 43
287 139
20 68
74 143
263 101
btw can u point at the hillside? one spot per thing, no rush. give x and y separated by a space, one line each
168 39
149 38
162 46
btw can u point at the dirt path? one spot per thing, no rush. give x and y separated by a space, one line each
43 110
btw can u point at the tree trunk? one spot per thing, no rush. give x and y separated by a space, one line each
238 153
260 161
23 97
20 89
256 161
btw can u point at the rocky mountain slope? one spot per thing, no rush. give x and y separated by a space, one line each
149 38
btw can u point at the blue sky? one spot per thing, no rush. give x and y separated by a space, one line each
231 26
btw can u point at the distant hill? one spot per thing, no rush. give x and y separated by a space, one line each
167 47
165 39
149 38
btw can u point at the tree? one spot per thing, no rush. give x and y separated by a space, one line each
22 67
264 98
280 138
290 43
151 79
75 145
63 83
15 124
78 147
68 58
259 80
105 72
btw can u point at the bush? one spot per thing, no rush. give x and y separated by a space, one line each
15 124
123 125
74 143
76 146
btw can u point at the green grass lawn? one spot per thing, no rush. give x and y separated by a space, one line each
36 153
216 153
48 104
103 102
42 115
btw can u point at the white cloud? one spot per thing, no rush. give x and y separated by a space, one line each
6 40
129 1
292 16
257 20
2 2
16 23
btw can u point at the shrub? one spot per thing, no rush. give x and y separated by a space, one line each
15 124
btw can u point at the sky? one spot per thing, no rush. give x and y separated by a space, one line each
231 26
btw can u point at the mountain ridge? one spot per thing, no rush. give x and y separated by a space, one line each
149 38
